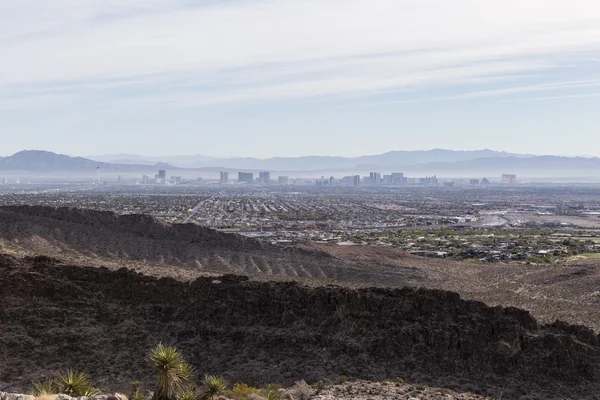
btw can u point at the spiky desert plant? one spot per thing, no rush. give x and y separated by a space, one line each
190 392
173 373
271 394
47 387
213 386
74 383
91 392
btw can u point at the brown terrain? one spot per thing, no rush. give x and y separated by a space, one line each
285 320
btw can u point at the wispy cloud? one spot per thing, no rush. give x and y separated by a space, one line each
180 53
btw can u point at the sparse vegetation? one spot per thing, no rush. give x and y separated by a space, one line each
173 373
136 393
214 386
190 392
300 391
46 387
241 391
75 384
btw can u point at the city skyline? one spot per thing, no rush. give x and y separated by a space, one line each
293 78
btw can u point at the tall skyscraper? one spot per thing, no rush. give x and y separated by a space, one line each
224 177
245 177
161 178
397 178
264 177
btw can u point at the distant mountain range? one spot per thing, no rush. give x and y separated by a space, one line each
392 159
194 161
437 161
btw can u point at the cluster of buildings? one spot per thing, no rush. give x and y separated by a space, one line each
264 178
374 178
160 179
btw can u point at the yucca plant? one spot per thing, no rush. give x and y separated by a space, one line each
213 387
92 392
173 373
190 392
45 388
74 383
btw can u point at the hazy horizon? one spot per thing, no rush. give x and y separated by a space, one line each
149 156
289 78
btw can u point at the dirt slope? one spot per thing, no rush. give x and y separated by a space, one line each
57 316
70 232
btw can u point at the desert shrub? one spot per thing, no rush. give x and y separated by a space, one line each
173 373
319 386
272 391
45 388
75 384
241 391
136 393
300 391
190 392
213 386
271 394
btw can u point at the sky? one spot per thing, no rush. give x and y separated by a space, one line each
263 78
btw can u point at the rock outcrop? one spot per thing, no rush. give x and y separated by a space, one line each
104 322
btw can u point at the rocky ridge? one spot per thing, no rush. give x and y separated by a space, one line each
69 232
57 316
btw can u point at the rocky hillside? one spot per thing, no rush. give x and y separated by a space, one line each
140 238
104 322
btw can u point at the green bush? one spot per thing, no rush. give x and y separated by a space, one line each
241 391
213 387
75 384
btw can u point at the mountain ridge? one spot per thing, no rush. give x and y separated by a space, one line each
436 161
390 158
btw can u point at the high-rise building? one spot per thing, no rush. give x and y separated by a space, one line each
331 181
245 177
474 181
161 178
283 180
397 178
374 178
4 181
264 177
356 180
508 179
224 177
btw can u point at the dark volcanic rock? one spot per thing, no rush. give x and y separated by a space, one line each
56 316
